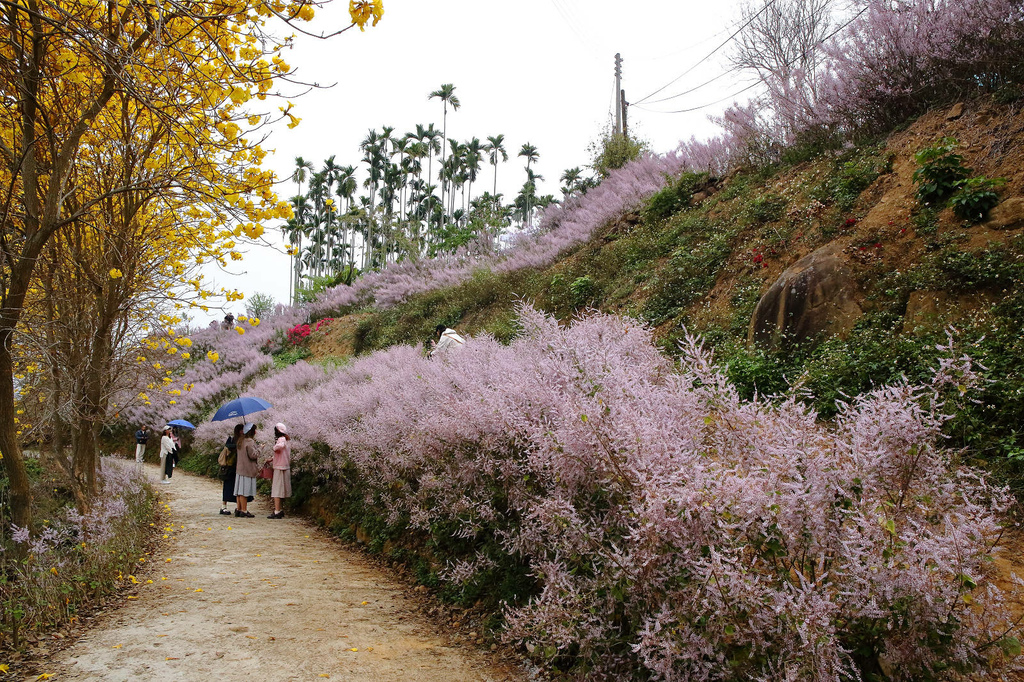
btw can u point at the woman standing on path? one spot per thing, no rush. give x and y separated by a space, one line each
227 472
166 450
246 470
282 485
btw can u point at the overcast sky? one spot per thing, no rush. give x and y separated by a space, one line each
537 71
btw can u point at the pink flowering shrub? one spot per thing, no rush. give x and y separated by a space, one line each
662 527
282 389
561 228
898 59
239 360
74 557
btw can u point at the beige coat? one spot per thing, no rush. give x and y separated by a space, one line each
248 453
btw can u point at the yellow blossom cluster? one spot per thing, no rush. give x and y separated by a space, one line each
361 11
184 136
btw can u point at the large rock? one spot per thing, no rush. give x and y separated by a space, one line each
1008 215
812 298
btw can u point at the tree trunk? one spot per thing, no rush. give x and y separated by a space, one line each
13 459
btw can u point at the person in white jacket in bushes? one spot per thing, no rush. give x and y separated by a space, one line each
447 339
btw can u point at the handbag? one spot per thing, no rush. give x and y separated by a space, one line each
227 457
267 472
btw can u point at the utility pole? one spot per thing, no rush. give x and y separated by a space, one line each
625 126
618 89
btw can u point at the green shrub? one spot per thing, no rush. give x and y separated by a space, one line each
943 178
940 173
673 197
289 355
583 290
504 327
615 150
975 198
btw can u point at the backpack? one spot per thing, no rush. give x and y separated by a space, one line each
227 455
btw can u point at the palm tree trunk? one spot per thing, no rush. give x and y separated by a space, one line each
444 146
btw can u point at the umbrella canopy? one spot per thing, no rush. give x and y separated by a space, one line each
240 407
182 423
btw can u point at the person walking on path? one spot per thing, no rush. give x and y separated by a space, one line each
447 339
141 438
282 484
246 471
172 461
227 471
166 454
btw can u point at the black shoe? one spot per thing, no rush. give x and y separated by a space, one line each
248 515
238 513
276 515
225 512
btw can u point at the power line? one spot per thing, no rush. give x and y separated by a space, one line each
611 102
759 81
709 81
710 54
703 106
576 27
674 53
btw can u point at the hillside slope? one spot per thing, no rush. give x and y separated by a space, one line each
704 251
590 499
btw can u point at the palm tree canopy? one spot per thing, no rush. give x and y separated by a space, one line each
496 147
301 167
529 151
446 94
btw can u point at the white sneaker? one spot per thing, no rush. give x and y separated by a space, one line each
166 482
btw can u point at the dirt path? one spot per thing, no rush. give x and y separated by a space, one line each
260 599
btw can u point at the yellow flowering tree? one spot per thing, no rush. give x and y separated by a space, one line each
140 121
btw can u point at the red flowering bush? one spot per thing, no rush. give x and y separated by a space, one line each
299 333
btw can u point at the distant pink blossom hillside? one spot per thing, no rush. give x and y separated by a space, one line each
561 228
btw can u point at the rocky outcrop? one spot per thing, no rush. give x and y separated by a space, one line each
814 297
1008 215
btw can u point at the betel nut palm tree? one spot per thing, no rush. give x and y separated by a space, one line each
446 93
495 147
529 152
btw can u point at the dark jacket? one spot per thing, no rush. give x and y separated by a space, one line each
141 437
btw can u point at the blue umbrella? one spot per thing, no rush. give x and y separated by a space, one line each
183 423
240 407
